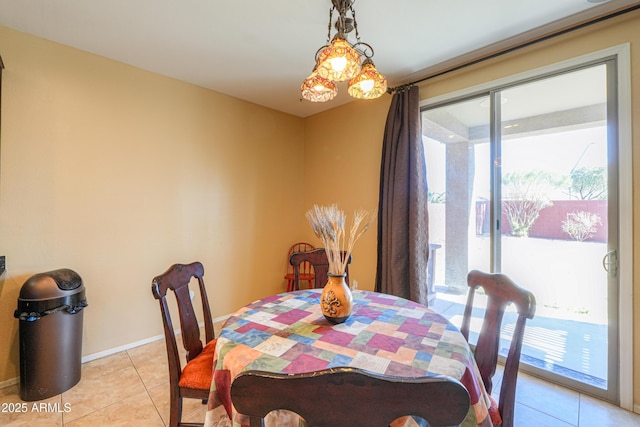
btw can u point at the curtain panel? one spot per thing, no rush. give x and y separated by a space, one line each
403 234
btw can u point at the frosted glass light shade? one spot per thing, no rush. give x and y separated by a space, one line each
339 61
368 84
318 89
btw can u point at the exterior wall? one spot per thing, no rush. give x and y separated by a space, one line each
549 223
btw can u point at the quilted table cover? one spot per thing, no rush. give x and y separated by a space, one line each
385 334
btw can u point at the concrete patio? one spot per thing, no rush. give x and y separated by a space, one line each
571 348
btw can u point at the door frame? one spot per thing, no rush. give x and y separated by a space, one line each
622 55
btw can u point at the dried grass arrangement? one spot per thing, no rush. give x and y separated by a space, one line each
328 224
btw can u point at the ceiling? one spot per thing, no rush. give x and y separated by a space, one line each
261 50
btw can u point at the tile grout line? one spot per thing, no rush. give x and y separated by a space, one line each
146 389
99 375
552 416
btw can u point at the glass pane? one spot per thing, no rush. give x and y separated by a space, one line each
457 155
554 219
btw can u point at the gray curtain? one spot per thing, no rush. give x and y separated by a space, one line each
403 234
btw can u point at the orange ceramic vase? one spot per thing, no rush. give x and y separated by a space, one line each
336 300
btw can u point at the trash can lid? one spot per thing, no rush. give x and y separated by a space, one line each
51 284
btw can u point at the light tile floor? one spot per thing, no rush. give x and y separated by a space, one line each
130 388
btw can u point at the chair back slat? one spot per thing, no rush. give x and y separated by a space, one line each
189 380
177 279
353 397
501 291
305 269
318 259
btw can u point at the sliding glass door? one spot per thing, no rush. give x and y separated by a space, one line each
523 180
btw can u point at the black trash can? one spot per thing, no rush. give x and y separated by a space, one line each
50 314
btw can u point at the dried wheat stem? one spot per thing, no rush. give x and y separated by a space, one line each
328 224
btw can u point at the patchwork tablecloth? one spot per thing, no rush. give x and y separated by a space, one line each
385 334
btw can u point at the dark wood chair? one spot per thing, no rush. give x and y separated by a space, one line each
194 379
500 291
318 259
347 397
306 269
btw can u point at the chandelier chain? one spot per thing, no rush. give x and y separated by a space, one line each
339 60
329 26
355 22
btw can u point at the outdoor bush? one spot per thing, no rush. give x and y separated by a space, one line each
525 194
581 225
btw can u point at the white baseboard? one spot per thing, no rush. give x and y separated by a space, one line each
109 352
9 382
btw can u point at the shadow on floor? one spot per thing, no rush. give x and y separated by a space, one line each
571 348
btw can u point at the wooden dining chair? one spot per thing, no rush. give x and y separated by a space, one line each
318 259
306 269
347 397
193 380
500 291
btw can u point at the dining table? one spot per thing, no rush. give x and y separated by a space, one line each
385 334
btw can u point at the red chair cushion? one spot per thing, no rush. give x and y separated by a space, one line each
494 413
198 372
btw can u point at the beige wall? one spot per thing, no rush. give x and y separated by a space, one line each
343 147
117 173
352 143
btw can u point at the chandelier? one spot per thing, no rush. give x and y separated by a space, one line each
339 60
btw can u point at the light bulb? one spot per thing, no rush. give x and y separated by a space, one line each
369 84
338 64
339 61
366 85
318 89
